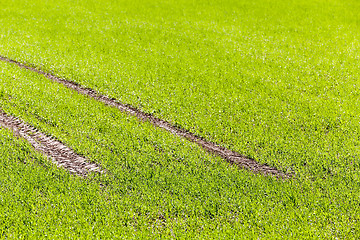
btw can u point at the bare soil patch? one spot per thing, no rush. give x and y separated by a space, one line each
59 153
229 155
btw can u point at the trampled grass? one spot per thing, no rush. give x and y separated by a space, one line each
274 81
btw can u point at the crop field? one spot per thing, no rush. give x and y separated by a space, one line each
207 119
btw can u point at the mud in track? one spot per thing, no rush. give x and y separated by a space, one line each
60 154
229 155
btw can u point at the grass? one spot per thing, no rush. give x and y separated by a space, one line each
158 184
275 81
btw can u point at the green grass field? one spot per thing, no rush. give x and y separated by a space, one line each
277 81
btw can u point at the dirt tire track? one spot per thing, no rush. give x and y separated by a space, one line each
229 155
59 153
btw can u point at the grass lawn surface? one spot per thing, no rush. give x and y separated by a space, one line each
275 81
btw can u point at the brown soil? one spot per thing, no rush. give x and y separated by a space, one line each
229 155
60 154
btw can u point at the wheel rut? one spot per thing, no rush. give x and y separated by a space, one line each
59 153
229 155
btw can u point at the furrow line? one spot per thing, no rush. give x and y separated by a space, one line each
59 153
229 155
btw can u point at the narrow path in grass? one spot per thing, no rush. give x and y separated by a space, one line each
229 155
60 154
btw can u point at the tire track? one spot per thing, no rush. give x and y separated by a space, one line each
59 153
229 155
